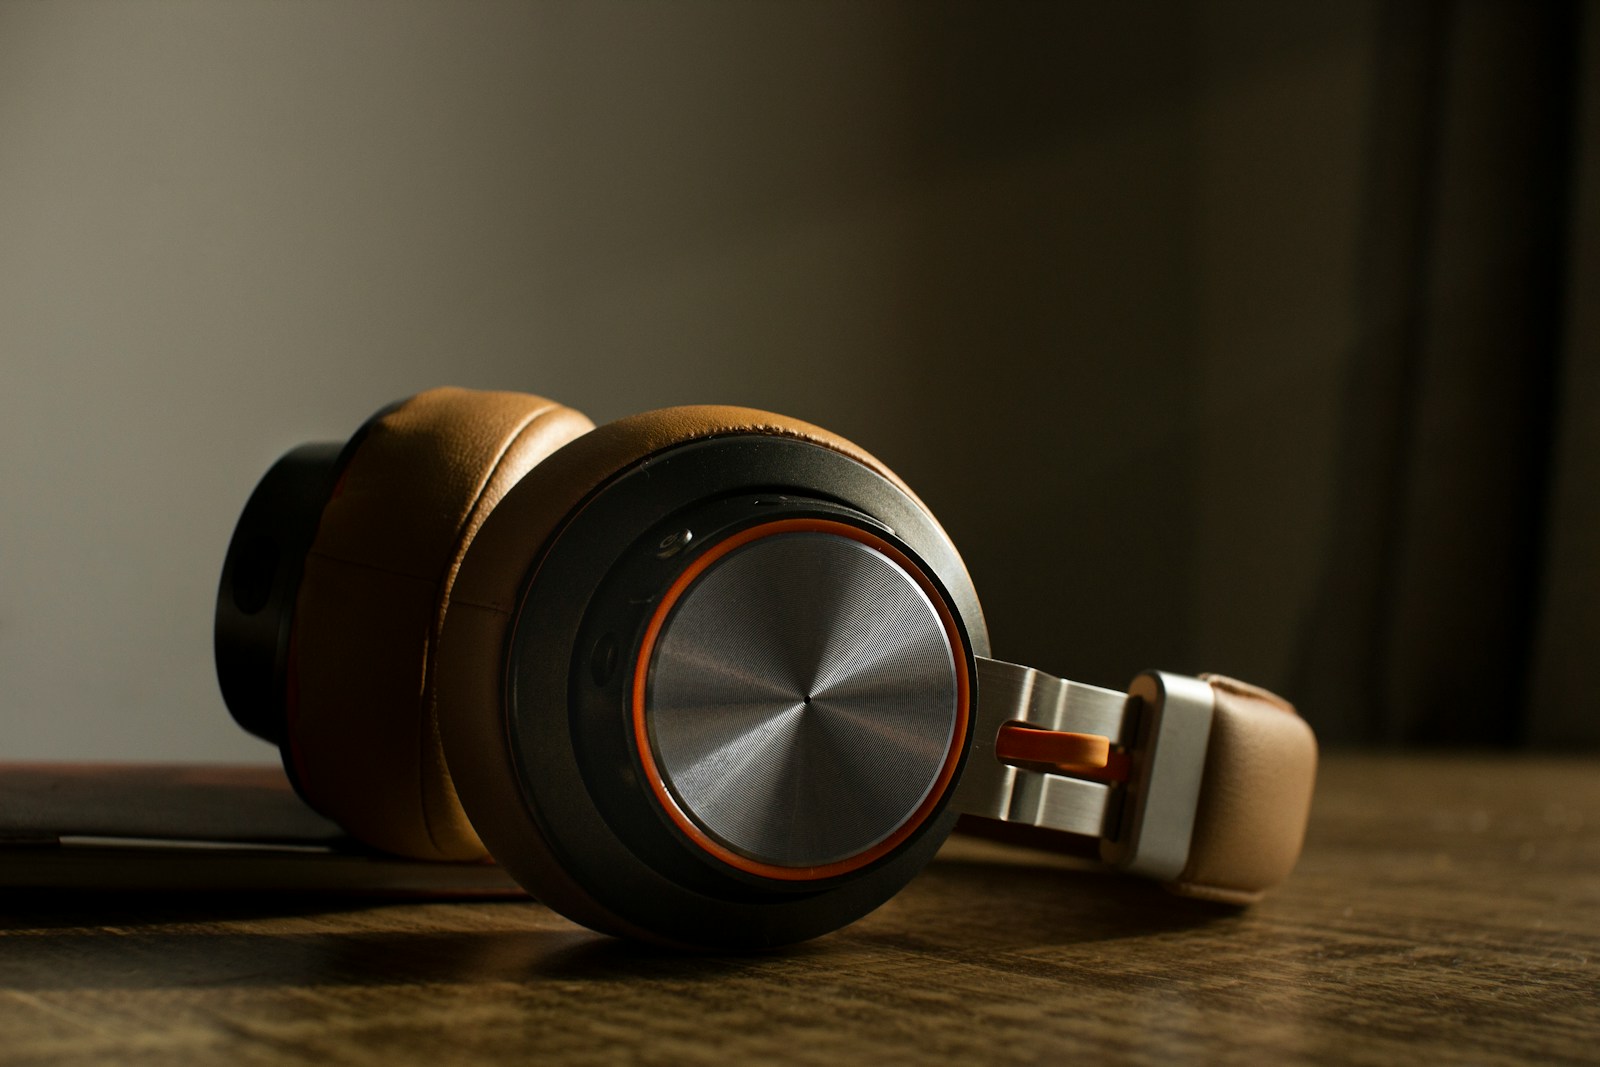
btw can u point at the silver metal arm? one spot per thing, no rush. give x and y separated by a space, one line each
1008 692
1164 726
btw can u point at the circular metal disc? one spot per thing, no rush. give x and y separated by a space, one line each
802 699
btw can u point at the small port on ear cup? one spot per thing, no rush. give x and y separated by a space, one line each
255 566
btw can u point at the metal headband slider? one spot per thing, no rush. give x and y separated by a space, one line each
1123 767
1042 751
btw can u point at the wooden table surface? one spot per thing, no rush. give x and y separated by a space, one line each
1447 910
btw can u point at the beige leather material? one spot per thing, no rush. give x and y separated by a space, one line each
472 670
363 732
1255 797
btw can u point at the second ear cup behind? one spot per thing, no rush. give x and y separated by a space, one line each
361 730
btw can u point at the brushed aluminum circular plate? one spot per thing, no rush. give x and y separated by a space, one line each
803 699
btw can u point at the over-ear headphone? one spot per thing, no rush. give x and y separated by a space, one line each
705 676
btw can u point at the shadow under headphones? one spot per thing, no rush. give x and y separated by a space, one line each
707 676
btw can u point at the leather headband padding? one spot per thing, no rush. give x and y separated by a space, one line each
362 725
472 668
1255 796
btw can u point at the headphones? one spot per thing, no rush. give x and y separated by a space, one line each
707 676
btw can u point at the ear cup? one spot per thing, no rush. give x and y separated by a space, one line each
361 725
512 547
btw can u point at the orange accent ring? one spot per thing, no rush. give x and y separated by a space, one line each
641 674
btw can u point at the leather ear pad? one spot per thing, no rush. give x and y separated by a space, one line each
362 732
472 669
1255 796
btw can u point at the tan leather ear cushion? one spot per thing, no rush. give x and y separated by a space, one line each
363 734
471 658
1255 797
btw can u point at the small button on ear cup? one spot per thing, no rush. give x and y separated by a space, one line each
361 731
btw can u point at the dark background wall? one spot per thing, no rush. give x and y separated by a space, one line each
1249 337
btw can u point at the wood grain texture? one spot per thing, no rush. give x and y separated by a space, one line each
1447 910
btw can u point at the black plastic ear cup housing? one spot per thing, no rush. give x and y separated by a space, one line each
260 581
571 657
